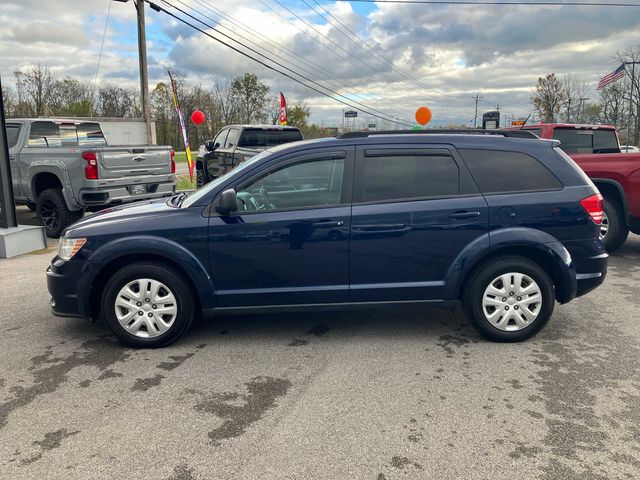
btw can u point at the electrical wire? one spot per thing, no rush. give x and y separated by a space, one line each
104 34
481 2
368 111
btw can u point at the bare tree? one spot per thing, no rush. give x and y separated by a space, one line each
35 89
576 91
614 106
547 97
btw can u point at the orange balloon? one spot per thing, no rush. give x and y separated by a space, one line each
423 115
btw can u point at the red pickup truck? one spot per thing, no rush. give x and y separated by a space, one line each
596 149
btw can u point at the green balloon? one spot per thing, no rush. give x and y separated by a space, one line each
416 127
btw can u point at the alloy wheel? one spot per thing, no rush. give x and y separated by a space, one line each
604 226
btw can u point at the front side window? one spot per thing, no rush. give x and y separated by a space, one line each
13 132
313 183
501 172
232 138
221 137
406 177
44 134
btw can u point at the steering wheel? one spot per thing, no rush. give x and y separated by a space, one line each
266 203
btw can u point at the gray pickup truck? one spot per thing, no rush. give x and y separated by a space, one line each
60 168
236 143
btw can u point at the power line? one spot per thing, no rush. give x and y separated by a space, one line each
158 8
263 55
370 51
319 70
481 2
104 34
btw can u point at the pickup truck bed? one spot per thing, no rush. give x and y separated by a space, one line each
61 167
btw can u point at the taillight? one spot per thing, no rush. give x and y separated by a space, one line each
173 162
91 168
593 206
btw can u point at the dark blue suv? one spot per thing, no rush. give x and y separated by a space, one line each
505 225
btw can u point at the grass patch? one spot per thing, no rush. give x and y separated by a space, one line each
181 157
183 182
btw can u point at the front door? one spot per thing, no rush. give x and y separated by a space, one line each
414 211
288 243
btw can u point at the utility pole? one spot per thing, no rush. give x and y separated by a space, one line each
569 110
631 141
144 75
498 110
477 98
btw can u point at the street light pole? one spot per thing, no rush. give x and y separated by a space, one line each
144 75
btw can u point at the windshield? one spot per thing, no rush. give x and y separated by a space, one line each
194 197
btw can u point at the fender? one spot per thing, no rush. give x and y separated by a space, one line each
59 169
615 184
145 245
476 251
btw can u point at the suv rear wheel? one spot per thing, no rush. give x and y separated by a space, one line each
148 305
509 299
613 230
53 212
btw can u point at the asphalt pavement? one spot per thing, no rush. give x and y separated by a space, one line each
408 393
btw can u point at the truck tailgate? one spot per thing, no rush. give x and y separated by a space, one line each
118 162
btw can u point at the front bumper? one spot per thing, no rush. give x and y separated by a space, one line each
62 278
122 194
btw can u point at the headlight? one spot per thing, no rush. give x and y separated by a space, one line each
69 247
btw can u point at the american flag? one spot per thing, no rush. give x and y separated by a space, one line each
614 76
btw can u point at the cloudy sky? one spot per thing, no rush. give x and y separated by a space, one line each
390 57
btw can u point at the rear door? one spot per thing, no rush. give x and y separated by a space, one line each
414 210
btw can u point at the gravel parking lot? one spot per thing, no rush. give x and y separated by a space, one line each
381 394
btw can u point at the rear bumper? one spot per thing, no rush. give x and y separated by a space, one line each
122 194
590 260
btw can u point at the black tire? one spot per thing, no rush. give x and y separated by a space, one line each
618 230
201 178
487 272
168 276
53 212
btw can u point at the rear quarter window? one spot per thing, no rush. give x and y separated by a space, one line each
507 172
44 134
576 140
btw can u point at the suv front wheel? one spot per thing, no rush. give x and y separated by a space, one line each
509 299
148 305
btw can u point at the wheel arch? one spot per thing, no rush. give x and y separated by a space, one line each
612 189
111 257
534 245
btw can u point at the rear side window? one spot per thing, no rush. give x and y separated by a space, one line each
13 132
44 134
573 140
405 177
90 134
502 172
268 138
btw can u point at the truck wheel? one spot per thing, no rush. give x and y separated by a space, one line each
54 213
201 178
508 299
613 230
148 305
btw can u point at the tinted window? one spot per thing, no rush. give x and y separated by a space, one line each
308 184
44 134
406 177
221 137
90 134
268 138
535 131
586 141
498 172
13 131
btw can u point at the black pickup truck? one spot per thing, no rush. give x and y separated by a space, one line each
236 143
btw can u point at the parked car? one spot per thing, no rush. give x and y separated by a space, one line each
506 225
629 149
236 143
596 149
61 167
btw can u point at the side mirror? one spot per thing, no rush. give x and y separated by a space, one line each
228 202
210 146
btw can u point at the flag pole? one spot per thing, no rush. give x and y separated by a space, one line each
633 79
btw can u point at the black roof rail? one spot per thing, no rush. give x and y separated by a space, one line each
444 131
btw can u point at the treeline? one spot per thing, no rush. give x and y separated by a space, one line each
571 99
244 99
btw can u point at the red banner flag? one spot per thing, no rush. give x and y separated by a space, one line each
283 110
